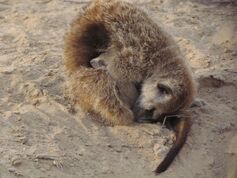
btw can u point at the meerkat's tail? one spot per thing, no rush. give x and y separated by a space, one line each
86 40
182 127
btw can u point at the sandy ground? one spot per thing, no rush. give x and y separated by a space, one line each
40 136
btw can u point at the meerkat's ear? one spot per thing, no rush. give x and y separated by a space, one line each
98 63
164 89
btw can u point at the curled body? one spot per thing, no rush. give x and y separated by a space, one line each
145 75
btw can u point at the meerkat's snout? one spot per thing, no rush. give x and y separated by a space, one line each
142 115
147 115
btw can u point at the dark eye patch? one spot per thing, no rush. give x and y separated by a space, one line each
138 86
163 89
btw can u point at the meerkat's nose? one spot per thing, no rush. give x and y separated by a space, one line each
142 115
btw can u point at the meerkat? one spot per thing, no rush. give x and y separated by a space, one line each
134 51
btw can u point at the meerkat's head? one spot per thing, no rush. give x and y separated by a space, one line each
161 97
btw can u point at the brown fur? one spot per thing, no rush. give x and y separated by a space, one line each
141 53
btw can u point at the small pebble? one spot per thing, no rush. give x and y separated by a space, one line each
16 162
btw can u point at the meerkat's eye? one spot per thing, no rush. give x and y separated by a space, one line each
163 89
138 86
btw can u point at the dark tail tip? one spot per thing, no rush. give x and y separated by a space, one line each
159 170
167 161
